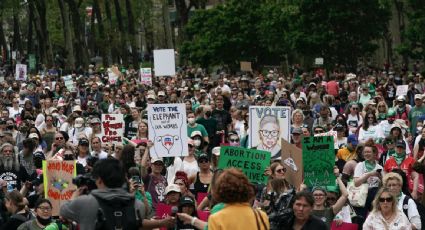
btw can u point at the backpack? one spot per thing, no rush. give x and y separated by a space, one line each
117 214
281 212
420 207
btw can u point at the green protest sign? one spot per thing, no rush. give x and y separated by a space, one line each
318 161
251 161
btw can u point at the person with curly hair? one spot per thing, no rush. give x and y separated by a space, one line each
235 191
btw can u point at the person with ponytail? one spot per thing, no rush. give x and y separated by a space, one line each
15 204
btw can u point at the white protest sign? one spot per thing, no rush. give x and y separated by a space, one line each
330 133
168 130
164 62
21 72
318 61
69 82
146 76
267 126
402 90
112 128
112 76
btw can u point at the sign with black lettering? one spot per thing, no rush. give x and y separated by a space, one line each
252 162
318 161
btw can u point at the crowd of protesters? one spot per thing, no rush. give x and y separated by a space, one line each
380 139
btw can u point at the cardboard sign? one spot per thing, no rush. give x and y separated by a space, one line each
21 72
292 159
252 162
164 62
146 76
168 130
402 90
318 161
57 180
330 133
112 128
69 82
267 125
246 66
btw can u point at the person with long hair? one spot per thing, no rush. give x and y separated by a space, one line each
354 119
385 214
370 129
234 189
276 171
202 180
10 169
15 204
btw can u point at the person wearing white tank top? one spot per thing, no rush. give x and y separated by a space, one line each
190 164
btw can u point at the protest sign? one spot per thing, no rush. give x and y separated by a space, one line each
112 128
168 130
246 66
267 126
163 211
318 161
252 162
164 62
292 159
319 61
330 133
402 90
113 74
69 82
21 72
146 76
57 181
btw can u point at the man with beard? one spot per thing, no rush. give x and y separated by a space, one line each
10 169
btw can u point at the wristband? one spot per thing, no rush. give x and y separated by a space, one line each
193 221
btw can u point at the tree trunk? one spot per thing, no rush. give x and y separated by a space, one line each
17 41
103 46
112 55
45 49
182 18
67 34
30 42
3 43
78 26
132 35
122 34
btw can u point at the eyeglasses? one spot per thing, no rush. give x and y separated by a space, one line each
282 170
45 209
59 138
385 199
266 133
234 140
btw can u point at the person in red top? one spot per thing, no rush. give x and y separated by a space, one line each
332 87
400 160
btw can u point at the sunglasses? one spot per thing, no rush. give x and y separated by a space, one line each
319 131
355 108
331 198
59 138
234 140
203 161
385 199
281 170
191 146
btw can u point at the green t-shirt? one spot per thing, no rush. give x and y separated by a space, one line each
218 207
415 115
198 127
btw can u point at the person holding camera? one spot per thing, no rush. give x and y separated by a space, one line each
109 206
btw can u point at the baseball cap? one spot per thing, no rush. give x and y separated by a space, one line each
83 141
216 151
155 159
418 96
77 108
161 93
352 139
400 143
33 135
187 200
196 133
94 120
297 131
78 123
339 126
203 156
151 96
172 188
401 98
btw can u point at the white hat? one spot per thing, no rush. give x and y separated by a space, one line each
77 108
195 133
172 188
33 135
155 159
418 96
401 98
79 122
151 96
216 151
161 93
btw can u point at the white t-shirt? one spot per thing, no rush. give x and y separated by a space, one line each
14 113
373 132
412 211
354 122
373 181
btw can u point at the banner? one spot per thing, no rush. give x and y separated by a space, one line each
318 161
292 159
164 62
112 128
146 76
21 72
267 126
168 130
252 162
57 180
402 90
69 82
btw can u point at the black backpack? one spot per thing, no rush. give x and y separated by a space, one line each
420 207
281 212
117 214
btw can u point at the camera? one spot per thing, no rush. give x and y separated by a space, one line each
85 180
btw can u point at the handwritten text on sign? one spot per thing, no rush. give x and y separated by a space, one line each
251 162
57 182
112 128
168 130
318 161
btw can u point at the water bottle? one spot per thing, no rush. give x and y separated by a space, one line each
9 187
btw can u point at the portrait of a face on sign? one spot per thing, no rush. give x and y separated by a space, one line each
267 126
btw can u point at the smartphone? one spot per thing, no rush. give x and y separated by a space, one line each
136 179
